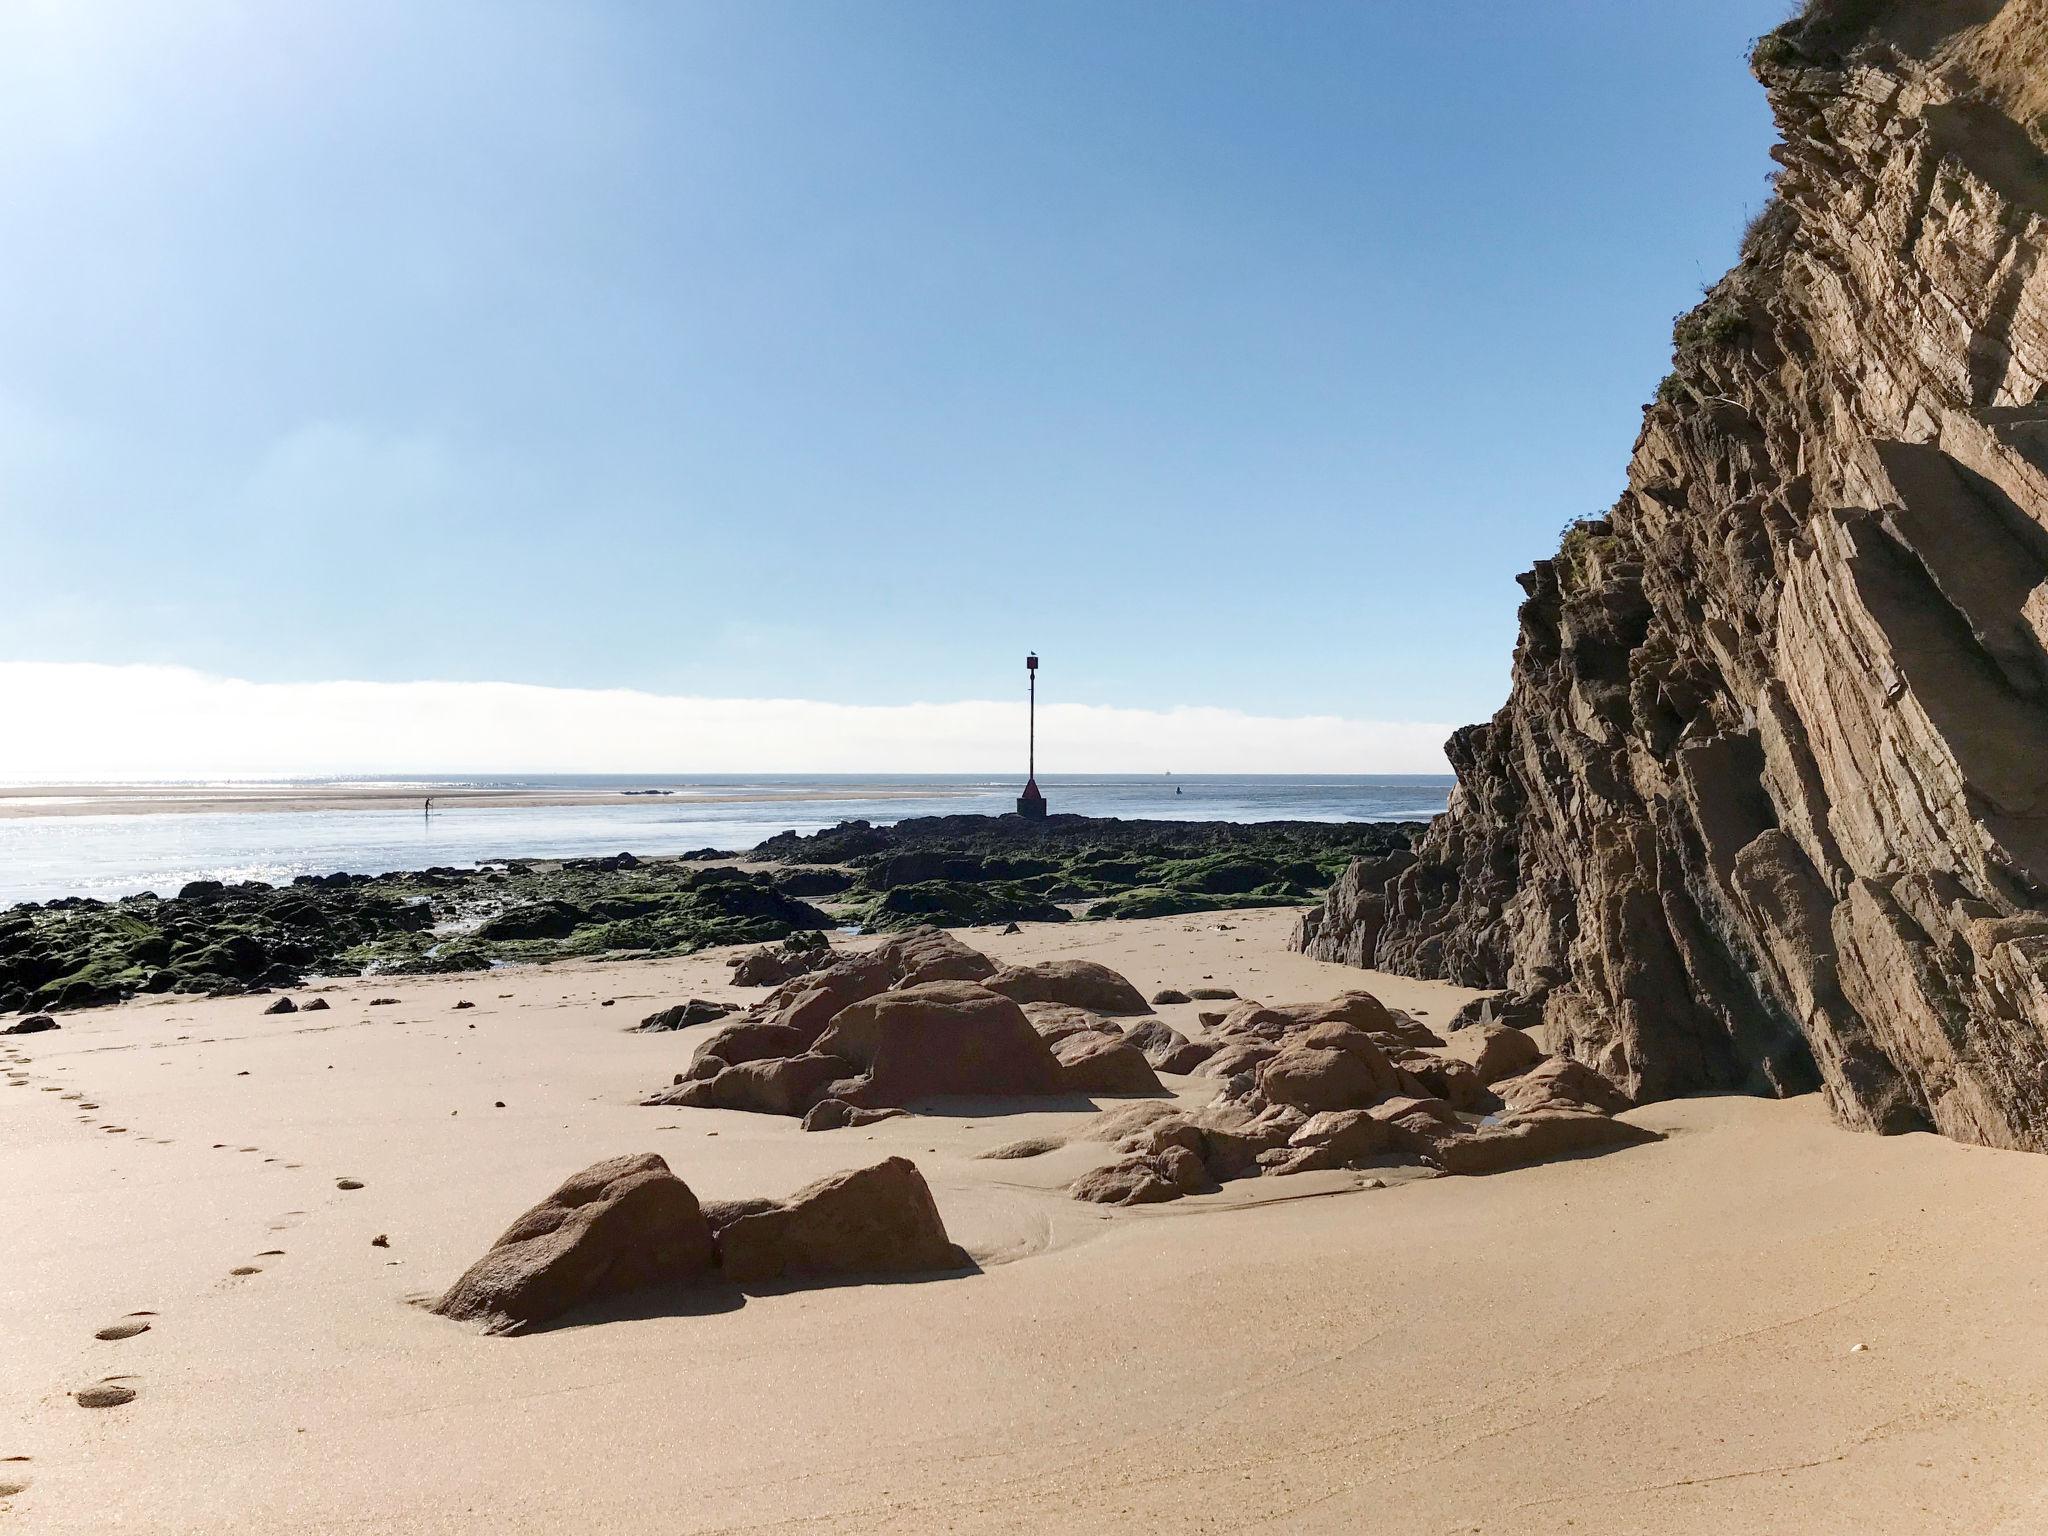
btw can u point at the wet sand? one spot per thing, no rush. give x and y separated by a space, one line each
1659 1340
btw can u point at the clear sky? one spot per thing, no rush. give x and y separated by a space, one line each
1233 355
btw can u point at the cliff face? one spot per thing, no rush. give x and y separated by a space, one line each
1768 804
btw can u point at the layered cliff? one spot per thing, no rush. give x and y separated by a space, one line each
1767 807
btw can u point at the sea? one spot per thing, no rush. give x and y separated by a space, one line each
109 856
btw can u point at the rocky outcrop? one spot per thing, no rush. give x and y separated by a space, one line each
616 1227
1350 1083
1767 808
629 1224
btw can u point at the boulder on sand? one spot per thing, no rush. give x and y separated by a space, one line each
1092 1063
1167 1048
837 1115
1561 1083
1077 983
683 1015
1055 1021
1332 1066
1144 1179
1361 1010
808 1002
1514 1140
1494 1050
937 1039
867 1221
932 954
782 1085
34 1024
750 1041
617 1226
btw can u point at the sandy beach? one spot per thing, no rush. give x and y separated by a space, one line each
1761 1323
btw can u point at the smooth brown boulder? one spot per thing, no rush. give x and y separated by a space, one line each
1561 1083
808 1003
1494 1050
1516 1140
737 1043
775 964
932 954
1337 1138
1091 1063
1167 1048
1168 995
1361 1010
1331 1066
938 1039
1233 1136
618 1226
783 1085
867 1221
1230 1059
838 1115
1144 1180
683 1015
1055 1021
1077 983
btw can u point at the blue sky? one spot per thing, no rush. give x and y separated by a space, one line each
1232 355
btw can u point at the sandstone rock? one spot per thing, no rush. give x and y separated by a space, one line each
1346 927
1763 811
34 1024
1493 1050
936 1039
1233 1137
1342 1138
1212 994
1077 983
786 1085
1562 1084
1166 995
868 1221
1349 1073
1360 1009
617 1226
282 1005
1056 1021
932 954
838 1115
1092 1063
1516 1140
808 1002
683 1015
774 964
743 1042
1167 1048
1144 1180
1229 1060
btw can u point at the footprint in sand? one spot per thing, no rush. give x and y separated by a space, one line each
127 1328
287 1221
109 1392
271 1253
348 1183
246 1269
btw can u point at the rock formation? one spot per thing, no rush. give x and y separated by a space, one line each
630 1224
919 1017
1349 1083
1767 807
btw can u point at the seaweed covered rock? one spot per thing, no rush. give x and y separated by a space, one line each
618 1226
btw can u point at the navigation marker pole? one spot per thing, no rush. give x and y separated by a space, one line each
1031 803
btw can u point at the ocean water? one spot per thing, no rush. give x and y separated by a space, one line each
44 857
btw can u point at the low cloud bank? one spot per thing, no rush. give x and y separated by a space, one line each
86 721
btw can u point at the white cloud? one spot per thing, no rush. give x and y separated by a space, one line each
86 721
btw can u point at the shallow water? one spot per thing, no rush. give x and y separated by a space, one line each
116 855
